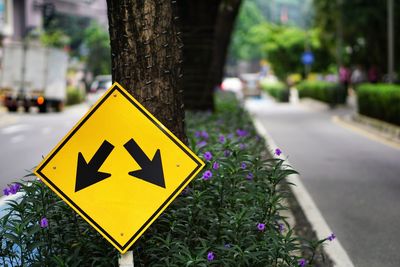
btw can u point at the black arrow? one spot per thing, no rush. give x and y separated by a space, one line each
151 170
87 173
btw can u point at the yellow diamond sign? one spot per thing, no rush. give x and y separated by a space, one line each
119 168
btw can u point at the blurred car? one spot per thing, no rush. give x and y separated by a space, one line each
232 84
98 87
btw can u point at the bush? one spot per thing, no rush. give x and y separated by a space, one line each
74 96
380 101
329 92
230 215
278 90
39 229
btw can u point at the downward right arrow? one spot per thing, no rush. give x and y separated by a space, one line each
151 170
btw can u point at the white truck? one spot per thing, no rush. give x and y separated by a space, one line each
33 75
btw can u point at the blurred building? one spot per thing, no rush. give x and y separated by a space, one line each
20 17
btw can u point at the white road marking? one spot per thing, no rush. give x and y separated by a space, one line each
17 139
47 130
15 128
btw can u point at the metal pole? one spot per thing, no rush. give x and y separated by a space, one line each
126 259
390 41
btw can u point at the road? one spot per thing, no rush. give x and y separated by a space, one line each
354 180
26 138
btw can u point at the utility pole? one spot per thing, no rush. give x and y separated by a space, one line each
390 9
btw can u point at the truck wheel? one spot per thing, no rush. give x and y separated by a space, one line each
12 108
43 108
58 106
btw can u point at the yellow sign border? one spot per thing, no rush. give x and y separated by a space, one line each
121 247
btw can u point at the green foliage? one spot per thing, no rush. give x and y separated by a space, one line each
363 28
67 241
74 96
71 26
97 41
236 213
278 90
55 39
329 92
380 101
241 47
283 46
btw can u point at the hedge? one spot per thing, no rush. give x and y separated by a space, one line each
380 101
74 95
329 92
278 90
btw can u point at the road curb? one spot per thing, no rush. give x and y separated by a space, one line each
334 250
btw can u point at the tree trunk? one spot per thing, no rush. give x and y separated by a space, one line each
223 29
207 28
146 57
198 28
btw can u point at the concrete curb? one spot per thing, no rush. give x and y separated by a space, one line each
334 249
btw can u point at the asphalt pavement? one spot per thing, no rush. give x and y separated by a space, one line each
353 179
26 138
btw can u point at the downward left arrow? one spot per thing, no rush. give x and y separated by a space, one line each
87 173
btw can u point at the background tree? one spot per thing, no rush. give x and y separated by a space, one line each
146 56
206 31
361 26
97 44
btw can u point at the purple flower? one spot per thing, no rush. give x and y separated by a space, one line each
14 188
261 226
201 144
249 176
6 191
243 165
210 256
281 227
241 133
197 134
331 237
278 152
227 245
227 153
221 138
215 165
230 136
302 262
44 222
207 156
204 134
207 175
185 191
242 146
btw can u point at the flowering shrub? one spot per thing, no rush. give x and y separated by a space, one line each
230 215
39 229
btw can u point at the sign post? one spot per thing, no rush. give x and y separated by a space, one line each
119 168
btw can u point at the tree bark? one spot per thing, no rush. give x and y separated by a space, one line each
198 29
207 28
146 57
223 30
